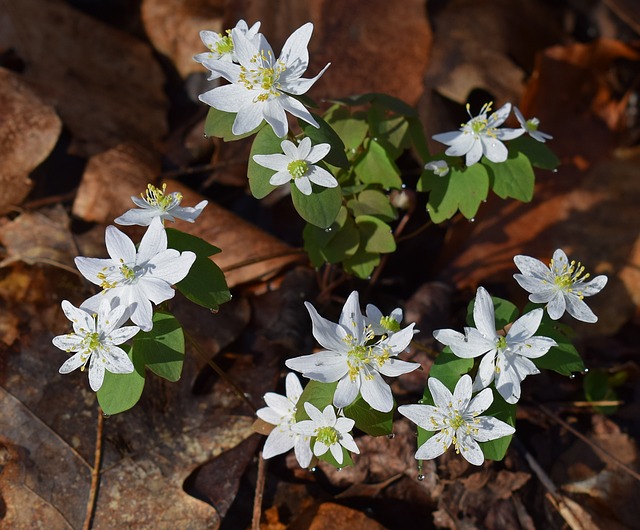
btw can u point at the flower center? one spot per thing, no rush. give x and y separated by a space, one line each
91 341
568 275
298 168
327 435
456 421
110 277
390 324
265 76
532 124
224 45
156 197
501 344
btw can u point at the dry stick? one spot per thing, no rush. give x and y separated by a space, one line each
552 491
95 474
257 499
604 454
220 372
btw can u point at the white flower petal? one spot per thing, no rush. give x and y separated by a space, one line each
346 392
321 177
376 392
280 178
395 367
73 362
441 394
470 449
349 443
481 402
328 334
578 309
119 246
304 185
249 117
486 371
556 306
484 314
91 267
293 388
278 442
337 452
96 373
273 113
435 446
491 428
303 451
317 153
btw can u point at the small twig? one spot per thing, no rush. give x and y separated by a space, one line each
609 403
95 473
214 366
257 499
416 232
603 453
253 261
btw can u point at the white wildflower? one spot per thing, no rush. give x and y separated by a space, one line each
481 136
298 164
262 86
136 278
506 358
95 339
351 358
456 419
281 412
331 432
158 203
439 167
221 46
562 285
531 127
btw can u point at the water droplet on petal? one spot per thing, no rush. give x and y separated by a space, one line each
493 144
391 436
421 401
420 478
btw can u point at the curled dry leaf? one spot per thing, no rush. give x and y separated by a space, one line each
106 85
110 178
248 253
174 28
29 129
384 36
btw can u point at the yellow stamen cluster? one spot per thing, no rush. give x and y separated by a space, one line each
568 276
480 124
265 76
158 197
456 422
327 435
298 168
390 324
224 45
361 355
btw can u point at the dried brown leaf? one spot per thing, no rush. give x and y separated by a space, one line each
29 129
349 34
174 26
106 85
110 178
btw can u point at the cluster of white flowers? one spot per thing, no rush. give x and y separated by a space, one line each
261 86
328 431
358 350
130 280
482 135
506 360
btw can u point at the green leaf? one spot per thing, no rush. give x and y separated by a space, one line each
265 143
369 420
120 392
318 394
321 207
326 135
182 241
461 189
512 178
391 133
373 202
564 358
205 284
448 368
219 124
496 449
162 348
416 132
375 167
361 264
375 235
332 244
352 131
538 153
